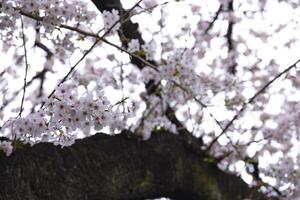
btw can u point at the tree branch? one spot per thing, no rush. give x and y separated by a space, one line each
116 167
251 100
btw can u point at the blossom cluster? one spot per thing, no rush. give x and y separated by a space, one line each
153 118
150 49
46 17
178 73
64 115
52 13
111 21
133 46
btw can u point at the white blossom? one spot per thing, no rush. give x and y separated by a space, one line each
133 45
110 19
149 49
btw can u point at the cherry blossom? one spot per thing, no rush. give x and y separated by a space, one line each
228 70
109 19
133 46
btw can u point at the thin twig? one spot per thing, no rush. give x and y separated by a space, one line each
249 102
73 68
198 101
39 75
111 44
122 84
214 19
91 34
44 47
26 67
132 54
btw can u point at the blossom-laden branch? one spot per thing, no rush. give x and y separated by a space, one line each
134 46
251 100
71 70
203 105
97 114
95 35
62 116
78 30
115 23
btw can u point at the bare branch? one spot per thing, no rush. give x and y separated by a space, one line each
211 24
26 66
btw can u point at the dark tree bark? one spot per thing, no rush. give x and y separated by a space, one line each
105 167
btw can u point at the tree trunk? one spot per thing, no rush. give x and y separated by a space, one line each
117 167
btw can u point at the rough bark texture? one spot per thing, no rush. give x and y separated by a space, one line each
116 167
